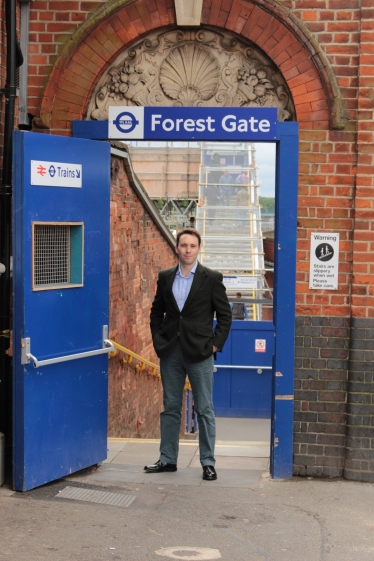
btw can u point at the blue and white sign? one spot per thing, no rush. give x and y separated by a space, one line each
55 174
126 122
192 123
244 283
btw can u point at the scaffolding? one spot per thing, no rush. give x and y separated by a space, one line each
229 220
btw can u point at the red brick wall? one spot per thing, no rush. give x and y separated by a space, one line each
303 43
363 239
324 48
138 252
52 24
98 40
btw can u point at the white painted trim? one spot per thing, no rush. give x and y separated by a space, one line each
188 12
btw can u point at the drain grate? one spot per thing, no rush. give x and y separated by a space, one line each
100 497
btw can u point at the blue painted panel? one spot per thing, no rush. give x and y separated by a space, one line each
60 410
281 448
244 392
284 299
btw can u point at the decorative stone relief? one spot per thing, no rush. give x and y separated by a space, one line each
192 68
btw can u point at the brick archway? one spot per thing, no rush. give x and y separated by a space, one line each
113 28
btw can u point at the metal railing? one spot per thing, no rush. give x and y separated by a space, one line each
143 362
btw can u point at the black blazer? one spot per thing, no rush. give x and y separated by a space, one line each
194 323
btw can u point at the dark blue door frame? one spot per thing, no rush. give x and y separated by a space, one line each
285 279
281 448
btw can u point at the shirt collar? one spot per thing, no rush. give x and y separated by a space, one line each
193 270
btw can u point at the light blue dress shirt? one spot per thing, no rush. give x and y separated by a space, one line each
182 286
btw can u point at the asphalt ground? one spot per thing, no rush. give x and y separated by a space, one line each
177 516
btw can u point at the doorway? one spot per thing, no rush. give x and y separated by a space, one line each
150 124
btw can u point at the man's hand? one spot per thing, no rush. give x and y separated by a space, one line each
214 349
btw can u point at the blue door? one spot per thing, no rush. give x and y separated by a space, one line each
243 371
60 306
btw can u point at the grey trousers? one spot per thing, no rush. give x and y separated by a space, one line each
173 375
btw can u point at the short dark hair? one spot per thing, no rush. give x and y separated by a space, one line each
191 232
239 294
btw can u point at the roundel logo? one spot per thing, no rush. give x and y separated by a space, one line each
125 122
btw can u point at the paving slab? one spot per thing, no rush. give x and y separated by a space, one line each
226 462
185 476
237 451
242 429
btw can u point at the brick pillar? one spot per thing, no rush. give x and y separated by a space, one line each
359 464
360 430
321 371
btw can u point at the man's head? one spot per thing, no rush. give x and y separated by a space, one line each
226 172
188 246
238 294
191 232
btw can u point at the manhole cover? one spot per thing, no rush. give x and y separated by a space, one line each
186 553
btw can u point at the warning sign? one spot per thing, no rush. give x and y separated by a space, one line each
260 345
324 261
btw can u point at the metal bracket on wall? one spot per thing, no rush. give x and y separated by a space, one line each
26 355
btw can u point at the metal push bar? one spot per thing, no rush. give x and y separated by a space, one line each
27 356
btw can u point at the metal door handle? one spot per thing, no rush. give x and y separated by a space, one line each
258 368
27 356
246 367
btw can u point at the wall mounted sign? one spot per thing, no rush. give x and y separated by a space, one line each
55 174
192 123
324 261
232 283
260 345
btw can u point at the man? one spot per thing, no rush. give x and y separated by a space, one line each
239 309
182 313
242 200
226 182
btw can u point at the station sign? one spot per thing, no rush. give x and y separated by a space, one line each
324 261
243 283
192 123
55 174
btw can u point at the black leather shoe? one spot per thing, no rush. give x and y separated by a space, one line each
159 467
209 473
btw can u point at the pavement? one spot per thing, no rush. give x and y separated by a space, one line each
116 511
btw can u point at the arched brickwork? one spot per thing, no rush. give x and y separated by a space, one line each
114 27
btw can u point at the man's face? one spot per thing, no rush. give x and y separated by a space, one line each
188 249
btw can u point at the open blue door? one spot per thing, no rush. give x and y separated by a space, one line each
60 306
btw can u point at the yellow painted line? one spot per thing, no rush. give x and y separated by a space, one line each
186 443
150 441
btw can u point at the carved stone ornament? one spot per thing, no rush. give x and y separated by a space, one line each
192 68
